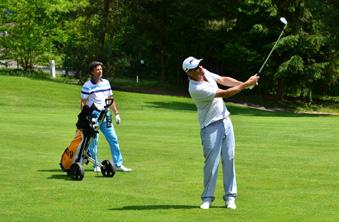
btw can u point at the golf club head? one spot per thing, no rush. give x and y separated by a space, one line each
283 20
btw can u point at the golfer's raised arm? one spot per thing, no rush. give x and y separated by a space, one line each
228 81
237 89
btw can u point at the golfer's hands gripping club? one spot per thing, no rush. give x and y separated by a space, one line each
117 118
252 81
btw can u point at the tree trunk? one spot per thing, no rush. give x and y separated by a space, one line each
162 66
104 22
280 90
309 96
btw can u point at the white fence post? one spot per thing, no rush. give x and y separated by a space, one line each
52 68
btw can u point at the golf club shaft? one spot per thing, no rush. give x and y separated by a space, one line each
283 20
282 32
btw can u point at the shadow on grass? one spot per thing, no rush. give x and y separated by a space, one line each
63 175
59 170
59 177
50 170
234 110
172 105
161 207
249 111
155 207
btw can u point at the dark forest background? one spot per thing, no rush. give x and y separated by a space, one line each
150 38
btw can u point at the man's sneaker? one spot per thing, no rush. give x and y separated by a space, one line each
205 205
122 168
231 204
97 169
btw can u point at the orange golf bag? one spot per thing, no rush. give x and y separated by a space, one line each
77 154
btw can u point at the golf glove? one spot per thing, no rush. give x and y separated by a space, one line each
117 118
95 124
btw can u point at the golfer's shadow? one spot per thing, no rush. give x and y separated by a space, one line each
155 207
61 176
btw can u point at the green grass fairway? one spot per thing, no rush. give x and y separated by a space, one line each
287 164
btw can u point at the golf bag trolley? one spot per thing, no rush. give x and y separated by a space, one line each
77 153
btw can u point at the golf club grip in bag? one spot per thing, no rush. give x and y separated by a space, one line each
108 103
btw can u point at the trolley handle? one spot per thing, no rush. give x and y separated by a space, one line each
108 102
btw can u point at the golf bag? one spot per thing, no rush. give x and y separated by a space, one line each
77 153
73 153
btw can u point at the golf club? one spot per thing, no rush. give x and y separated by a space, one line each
283 20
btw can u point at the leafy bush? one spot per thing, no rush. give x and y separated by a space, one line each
29 73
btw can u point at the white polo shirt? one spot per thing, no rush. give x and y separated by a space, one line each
96 93
210 109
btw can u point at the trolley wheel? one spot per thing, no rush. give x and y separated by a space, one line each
107 168
76 172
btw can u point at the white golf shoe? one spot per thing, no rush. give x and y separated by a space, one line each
97 169
205 205
231 204
122 168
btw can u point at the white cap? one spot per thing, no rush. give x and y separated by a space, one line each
190 63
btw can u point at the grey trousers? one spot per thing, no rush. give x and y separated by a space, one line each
218 142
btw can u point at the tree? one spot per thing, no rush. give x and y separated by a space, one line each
165 32
327 11
234 37
94 33
305 53
31 30
302 57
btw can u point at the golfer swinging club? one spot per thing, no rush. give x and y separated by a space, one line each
216 128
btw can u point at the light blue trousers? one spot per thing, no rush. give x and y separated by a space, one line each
111 138
218 143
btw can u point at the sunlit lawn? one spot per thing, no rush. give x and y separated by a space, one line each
287 164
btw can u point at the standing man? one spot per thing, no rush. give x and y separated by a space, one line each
95 91
216 128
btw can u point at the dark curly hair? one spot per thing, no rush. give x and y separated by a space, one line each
93 65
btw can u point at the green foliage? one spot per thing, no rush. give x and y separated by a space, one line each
252 7
233 37
240 56
295 66
259 29
30 31
308 53
289 44
31 73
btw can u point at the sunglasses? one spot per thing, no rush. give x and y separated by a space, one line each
196 68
